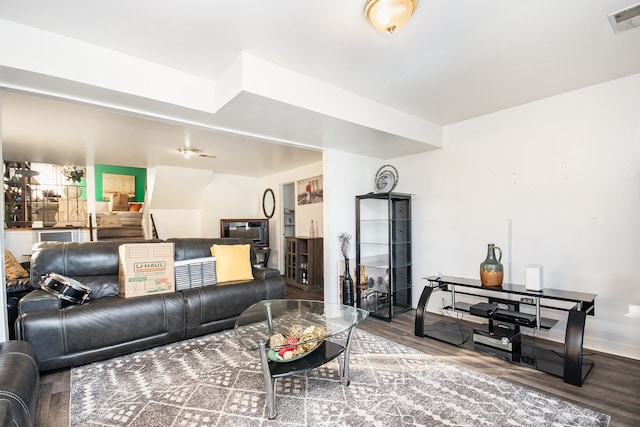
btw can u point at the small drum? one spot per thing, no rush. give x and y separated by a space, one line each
66 288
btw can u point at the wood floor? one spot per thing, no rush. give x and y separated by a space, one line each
612 387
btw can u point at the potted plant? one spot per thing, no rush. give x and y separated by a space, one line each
75 175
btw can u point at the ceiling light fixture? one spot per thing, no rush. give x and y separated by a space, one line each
187 152
389 15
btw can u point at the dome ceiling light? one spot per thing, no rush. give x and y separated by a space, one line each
189 152
389 15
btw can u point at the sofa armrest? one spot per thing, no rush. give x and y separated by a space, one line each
19 286
19 381
262 273
38 300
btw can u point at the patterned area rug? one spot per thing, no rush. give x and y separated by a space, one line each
212 381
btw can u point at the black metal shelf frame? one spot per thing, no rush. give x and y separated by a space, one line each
383 242
568 365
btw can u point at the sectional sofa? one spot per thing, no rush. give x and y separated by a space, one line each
19 382
65 335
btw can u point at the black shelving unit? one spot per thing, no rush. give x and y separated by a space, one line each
383 254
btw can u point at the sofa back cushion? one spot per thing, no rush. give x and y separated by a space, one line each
94 264
190 248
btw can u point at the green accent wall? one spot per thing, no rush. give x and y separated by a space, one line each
139 173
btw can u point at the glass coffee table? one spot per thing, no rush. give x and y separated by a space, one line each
295 336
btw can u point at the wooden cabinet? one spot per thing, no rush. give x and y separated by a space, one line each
304 266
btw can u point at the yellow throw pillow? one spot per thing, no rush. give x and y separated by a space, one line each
12 268
233 262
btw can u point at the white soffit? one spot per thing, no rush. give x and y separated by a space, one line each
96 75
255 115
272 81
59 57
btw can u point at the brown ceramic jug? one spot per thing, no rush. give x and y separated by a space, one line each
491 271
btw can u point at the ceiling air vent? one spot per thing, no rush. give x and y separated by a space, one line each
625 19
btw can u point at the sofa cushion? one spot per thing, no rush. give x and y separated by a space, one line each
20 285
94 264
212 308
190 248
108 327
12 268
103 285
232 262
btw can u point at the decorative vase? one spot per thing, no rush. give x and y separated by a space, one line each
72 191
491 270
347 285
312 230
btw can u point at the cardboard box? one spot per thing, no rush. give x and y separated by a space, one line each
119 202
146 269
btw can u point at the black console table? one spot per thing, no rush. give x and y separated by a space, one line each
501 335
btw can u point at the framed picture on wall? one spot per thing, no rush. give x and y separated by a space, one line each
114 183
309 190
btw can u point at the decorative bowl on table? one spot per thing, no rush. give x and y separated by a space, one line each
297 342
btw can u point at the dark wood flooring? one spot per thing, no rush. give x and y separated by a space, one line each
612 387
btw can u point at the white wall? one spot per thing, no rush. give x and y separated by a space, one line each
566 172
172 223
230 197
190 202
176 198
345 176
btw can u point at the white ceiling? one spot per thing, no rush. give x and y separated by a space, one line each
43 130
453 61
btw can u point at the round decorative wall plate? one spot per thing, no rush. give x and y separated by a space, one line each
386 179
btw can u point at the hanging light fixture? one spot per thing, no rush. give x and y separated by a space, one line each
389 15
187 152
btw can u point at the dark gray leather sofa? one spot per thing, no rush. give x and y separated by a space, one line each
107 325
19 380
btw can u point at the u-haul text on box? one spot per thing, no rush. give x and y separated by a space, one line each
146 268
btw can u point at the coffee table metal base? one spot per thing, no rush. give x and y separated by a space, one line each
326 352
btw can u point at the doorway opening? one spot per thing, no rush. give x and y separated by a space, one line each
296 259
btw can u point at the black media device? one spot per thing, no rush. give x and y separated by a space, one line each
483 309
497 337
515 317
